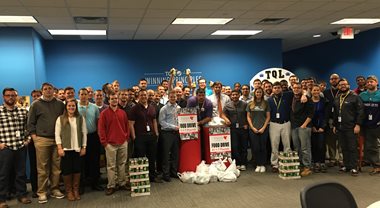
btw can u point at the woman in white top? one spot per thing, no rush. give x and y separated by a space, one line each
71 140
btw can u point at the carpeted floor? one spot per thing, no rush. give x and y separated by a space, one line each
251 190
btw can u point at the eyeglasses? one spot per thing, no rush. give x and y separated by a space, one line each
10 95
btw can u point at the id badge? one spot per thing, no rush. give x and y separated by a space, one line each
237 125
18 134
332 110
370 117
277 115
147 128
339 119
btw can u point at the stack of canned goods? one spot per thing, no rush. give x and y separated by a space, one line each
139 176
289 165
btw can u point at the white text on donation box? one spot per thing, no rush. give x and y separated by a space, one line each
220 142
187 121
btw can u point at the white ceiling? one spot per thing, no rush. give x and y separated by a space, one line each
151 19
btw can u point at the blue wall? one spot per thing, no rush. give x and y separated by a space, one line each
39 60
18 59
348 58
83 63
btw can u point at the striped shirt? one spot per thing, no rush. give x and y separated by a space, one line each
12 127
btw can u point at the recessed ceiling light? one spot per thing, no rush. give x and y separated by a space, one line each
201 21
78 32
356 21
17 19
317 36
236 32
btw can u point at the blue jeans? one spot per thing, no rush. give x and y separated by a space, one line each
12 162
301 140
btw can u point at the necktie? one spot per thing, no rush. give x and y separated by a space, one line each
220 109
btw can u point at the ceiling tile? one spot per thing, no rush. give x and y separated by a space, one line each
335 6
87 3
205 4
129 4
14 11
115 28
305 6
60 26
153 21
273 5
119 36
49 11
240 5
168 4
43 3
257 14
89 12
171 36
146 36
152 27
196 13
126 12
152 13
228 13
53 20
10 3
116 20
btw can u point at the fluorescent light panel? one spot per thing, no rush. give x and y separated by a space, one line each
356 21
317 36
201 21
17 19
78 32
236 32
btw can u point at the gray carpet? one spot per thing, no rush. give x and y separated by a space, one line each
251 190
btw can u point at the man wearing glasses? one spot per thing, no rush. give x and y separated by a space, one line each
13 142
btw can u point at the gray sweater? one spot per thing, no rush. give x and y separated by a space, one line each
42 117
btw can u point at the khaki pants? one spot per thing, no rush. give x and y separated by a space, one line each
279 132
116 159
48 164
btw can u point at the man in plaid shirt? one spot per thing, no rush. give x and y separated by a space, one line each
12 147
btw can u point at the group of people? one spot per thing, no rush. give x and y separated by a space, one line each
65 137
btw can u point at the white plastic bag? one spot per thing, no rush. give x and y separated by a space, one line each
219 164
202 178
213 171
187 177
202 167
232 167
227 176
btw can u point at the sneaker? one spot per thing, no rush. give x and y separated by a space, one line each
243 168
262 169
317 168
257 170
238 167
42 199
342 169
57 194
306 172
323 168
354 172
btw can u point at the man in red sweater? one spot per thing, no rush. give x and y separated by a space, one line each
113 131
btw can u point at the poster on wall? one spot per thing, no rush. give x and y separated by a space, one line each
220 142
155 79
272 74
188 123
